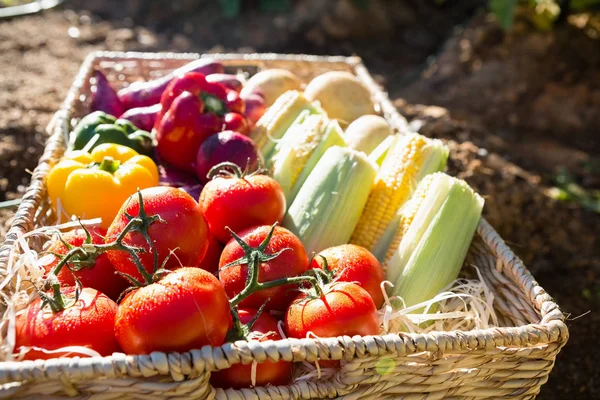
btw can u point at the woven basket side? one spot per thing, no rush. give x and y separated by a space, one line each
512 360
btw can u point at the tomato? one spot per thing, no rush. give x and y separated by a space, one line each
185 310
292 262
343 309
100 274
241 202
184 232
267 373
210 262
352 263
88 323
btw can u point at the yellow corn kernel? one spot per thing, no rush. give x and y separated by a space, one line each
409 160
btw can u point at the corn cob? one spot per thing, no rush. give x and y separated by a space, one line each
410 158
435 230
278 118
333 137
295 148
329 204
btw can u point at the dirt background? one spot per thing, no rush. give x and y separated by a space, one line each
517 108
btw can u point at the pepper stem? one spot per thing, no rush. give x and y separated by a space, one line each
109 164
213 104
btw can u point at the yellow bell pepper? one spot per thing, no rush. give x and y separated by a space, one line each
96 184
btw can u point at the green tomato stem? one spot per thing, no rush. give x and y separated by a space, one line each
140 224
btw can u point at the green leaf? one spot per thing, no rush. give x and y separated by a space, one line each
504 10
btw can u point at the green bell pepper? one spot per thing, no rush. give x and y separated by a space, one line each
110 130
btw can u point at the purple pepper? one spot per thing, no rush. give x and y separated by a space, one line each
104 97
144 94
142 117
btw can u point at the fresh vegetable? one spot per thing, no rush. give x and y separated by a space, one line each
337 309
226 146
341 95
65 321
351 263
411 158
193 190
229 81
91 185
210 262
255 108
192 110
366 132
236 122
271 83
380 152
185 310
148 93
296 147
104 97
329 204
284 256
333 136
101 128
171 176
180 239
261 196
263 327
142 117
92 270
432 237
277 120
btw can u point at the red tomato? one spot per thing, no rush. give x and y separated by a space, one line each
343 309
267 373
351 263
88 323
184 232
240 203
185 310
290 263
210 262
100 275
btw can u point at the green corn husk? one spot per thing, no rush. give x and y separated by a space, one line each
329 204
436 229
378 154
271 127
333 136
295 150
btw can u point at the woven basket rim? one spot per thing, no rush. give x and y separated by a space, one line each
551 329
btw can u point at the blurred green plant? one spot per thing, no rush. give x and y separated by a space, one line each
542 13
567 189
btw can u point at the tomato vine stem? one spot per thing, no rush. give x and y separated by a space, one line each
141 223
253 257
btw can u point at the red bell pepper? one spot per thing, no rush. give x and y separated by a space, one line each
192 109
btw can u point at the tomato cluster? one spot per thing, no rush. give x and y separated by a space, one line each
172 274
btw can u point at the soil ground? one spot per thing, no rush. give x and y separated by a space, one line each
516 108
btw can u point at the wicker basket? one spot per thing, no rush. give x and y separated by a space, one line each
509 361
